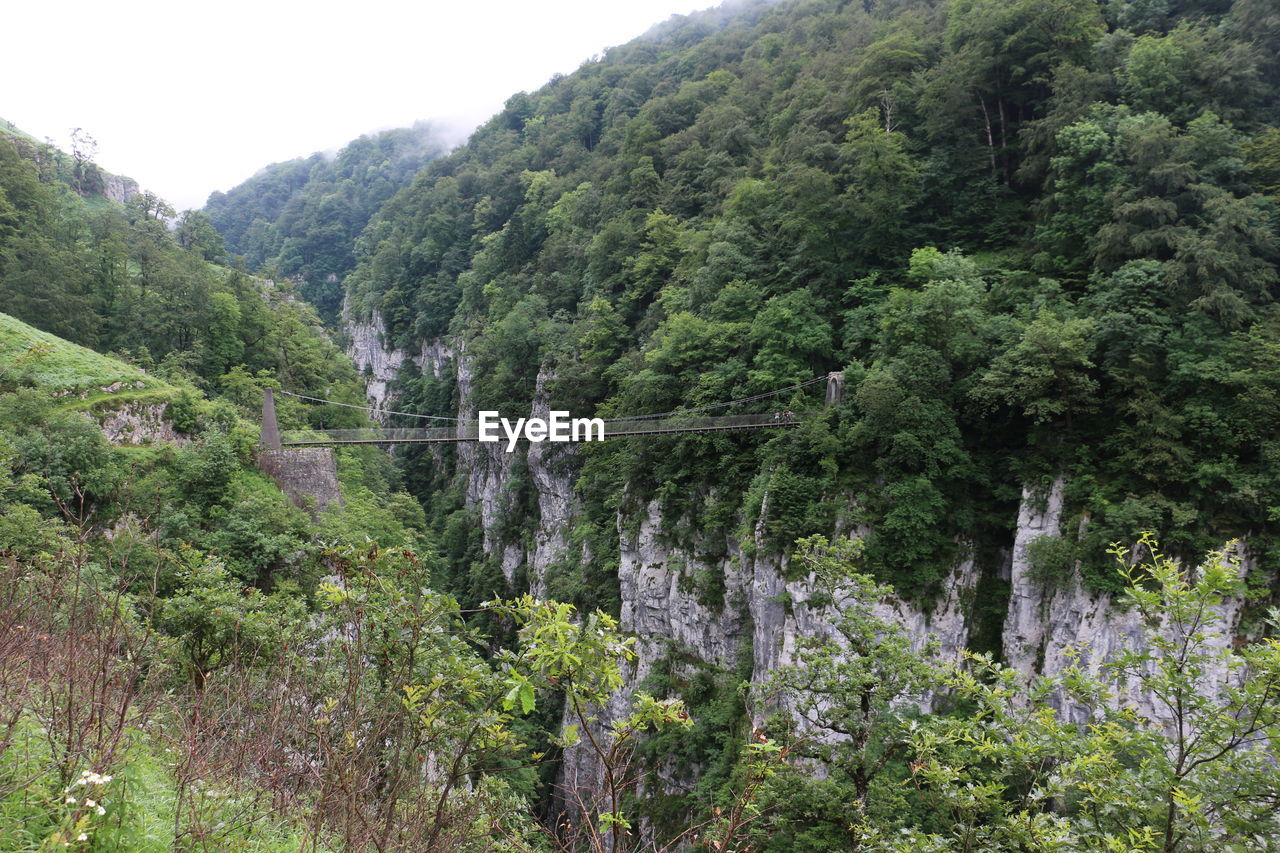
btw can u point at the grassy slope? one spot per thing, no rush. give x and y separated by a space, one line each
10 129
86 377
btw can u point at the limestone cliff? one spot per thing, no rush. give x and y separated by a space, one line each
377 362
135 422
759 611
759 607
118 188
1051 620
487 469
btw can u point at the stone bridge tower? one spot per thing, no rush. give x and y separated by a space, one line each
308 475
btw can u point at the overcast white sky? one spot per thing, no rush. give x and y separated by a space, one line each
187 98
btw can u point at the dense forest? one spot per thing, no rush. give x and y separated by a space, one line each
1039 239
300 219
1036 238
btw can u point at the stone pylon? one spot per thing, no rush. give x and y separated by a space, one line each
270 429
835 388
308 475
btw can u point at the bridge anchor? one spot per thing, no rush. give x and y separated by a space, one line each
308 475
835 388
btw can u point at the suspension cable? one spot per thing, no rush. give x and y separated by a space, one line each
750 399
380 411
707 407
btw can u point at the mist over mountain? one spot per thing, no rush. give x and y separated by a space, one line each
302 217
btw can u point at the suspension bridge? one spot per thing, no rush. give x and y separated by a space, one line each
469 429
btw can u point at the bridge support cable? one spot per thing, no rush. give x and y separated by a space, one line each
467 429
470 431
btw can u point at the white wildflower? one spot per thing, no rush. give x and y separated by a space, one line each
89 777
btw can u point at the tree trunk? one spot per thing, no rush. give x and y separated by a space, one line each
991 142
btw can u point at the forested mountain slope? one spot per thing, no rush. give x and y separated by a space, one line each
302 217
77 170
1038 237
151 576
174 402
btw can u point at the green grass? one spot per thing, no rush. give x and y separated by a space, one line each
10 129
100 403
30 356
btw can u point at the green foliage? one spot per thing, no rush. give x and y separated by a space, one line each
139 802
1045 374
30 357
117 279
370 509
846 686
183 413
26 533
1039 238
302 217
196 233
1192 68
737 202
218 621
583 661
1015 775
1052 559
63 453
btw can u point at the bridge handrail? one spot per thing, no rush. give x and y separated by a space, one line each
469 430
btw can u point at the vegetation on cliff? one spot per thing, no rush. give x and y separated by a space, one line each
1037 236
1039 239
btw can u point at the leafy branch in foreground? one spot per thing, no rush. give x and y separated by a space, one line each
582 658
1195 771
850 685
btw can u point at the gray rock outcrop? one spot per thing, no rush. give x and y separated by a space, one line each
137 423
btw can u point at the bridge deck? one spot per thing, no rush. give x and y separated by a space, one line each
469 430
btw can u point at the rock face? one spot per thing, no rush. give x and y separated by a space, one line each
488 469
664 607
551 470
137 423
1048 622
118 188
1024 627
676 602
757 612
377 362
